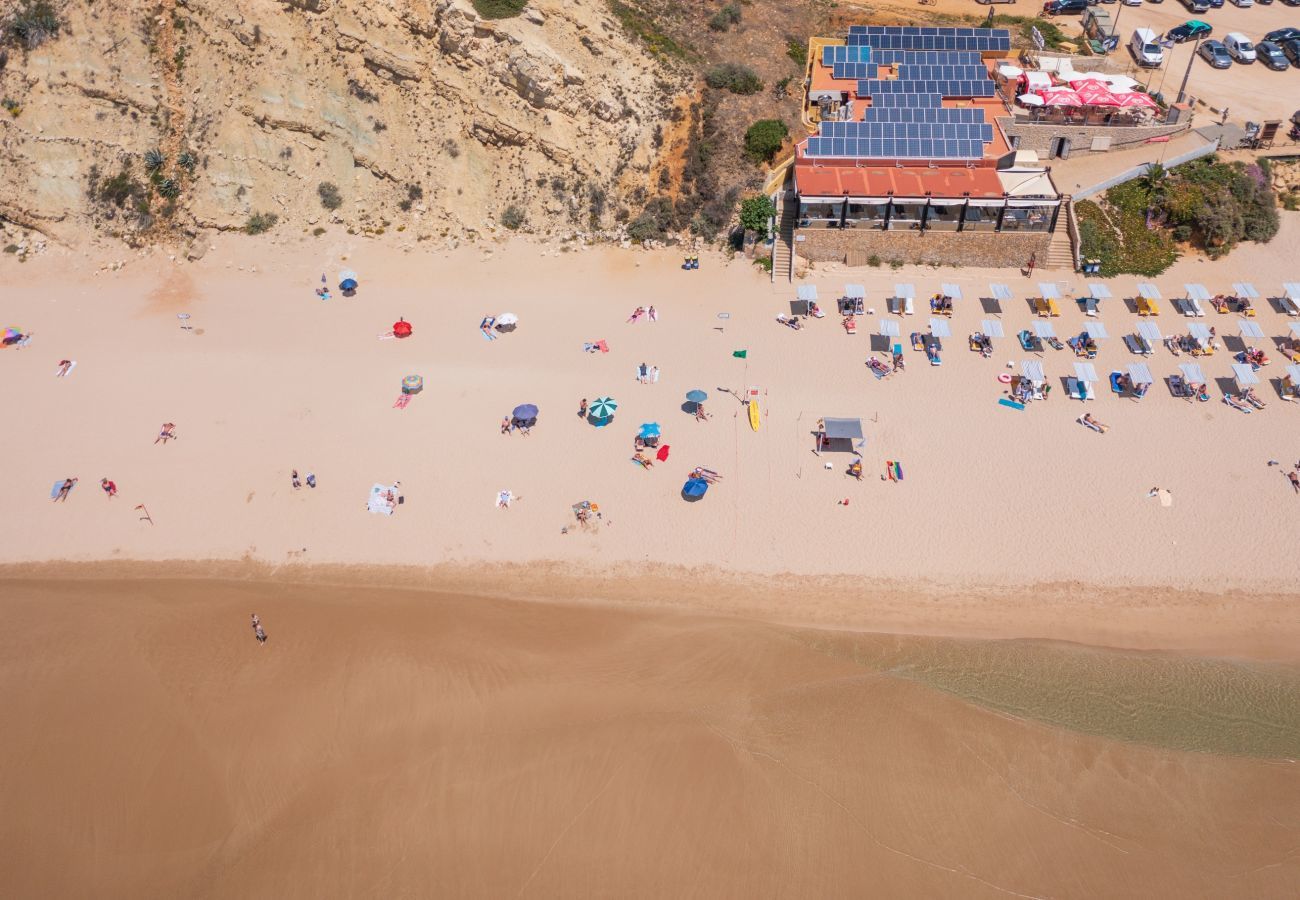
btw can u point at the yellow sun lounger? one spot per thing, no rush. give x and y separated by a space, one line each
1147 307
1046 307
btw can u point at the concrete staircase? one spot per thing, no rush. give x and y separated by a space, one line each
783 251
1060 252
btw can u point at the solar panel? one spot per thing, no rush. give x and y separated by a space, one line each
841 53
869 87
922 114
944 72
854 70
894 148
988 41
906 101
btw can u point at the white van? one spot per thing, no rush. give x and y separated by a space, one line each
1239 47
1146 49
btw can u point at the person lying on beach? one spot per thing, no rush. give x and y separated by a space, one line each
486 327
1295 481
636 314
109 487
65 366
311 480
700 414
1092 423
166 433
641 458
65 489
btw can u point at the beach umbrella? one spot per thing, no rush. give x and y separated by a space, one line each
507 319
1098 96
650 429
1062 97
603 408
347 280
401 328
694 489
696 396
1009 71
1029 100
1136 99
412 384
525 412
12 333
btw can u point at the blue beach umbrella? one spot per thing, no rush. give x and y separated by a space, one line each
694 489
603 408
696 396
525 412
650 429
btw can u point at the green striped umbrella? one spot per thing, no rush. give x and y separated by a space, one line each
603 408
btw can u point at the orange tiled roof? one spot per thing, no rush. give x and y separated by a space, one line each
819 180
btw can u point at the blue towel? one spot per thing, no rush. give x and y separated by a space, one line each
58 485
1011 403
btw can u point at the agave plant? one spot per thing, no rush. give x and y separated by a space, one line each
169 189
153 159
187 161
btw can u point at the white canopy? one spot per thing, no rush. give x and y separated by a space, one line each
1196 292
951 290
1086 76
940 328
1030 100
1148 291
1098 291
1138 373
1047 290
890 328
904 291
1009 71
991 328
999 291
1033 370
507 319
1149 330
1085 372
1199 331
1249 329
1037 80
1044 329
808 292
1096 331
855 291
1192 373
1245 289
1244 374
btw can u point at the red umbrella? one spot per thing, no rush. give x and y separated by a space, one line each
401 328
1061 97
1097 96
1136 99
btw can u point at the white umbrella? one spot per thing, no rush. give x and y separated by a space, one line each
1048 291
507 319
1098 291
1000 291
890 328
951 290
1029 100
991 328
1096 331
940 328
1010 71
1249 329
1121 83
1244 374
1148 291
1245 289
904 291
1196 292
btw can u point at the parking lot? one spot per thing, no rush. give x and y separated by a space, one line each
1250 92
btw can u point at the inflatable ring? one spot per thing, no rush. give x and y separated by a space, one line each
1005 378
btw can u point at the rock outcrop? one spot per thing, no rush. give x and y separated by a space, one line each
419 111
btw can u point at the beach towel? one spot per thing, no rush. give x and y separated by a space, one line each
1011 404
401 401
740 354
377 502
58 486
59 374
662 455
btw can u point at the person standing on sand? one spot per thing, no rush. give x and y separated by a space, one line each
506 427
1295 481
1033 261
582 409
109 487
293 476
65 489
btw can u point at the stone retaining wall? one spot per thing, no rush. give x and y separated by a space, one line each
1039 137
969 248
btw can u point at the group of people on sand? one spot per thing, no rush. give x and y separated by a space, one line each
65 488
297 481
649 313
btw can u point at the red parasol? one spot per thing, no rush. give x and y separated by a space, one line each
1061 97
401 328
1097 96
1136 99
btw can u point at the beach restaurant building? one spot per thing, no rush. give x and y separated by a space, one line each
909 161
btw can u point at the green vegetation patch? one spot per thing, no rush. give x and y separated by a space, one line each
764 138
499 9
1217 205
733 77
641 24
1121 236
30 24
259 223
726 17
797 50
755 212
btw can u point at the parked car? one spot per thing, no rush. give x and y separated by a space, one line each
1239 47
1282 34
1243 3
1216 4
1197 6
1065 7
1189 30
1292 51
1131 2
1146 49
1214 53
1271 55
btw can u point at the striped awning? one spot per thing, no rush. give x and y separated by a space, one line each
890 328
1192 373
1244 374
1148 291
1245 289
991 328
1033 370
1098 291
1138 373
951 290
1249 329
808 292
904 291
855 292
1149 330
1096 331
1000 291
1196 292
1085 372
940 328
1047 290
1044 329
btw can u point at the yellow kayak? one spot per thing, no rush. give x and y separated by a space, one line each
753 413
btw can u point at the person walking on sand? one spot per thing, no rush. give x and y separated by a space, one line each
652 314
643 374
582 409
65 489
109 487
506 427
166 433
311 480
293 476
1033 261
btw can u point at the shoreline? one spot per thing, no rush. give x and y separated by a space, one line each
1139 619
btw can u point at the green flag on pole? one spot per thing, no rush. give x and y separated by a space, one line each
740 354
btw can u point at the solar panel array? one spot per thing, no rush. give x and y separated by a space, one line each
944 72
841 53
854 70
922 57
901 37
907 101
956 88
912 114
922 131
895 148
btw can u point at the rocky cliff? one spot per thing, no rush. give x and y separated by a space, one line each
151 120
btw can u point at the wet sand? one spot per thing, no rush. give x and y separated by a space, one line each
392 743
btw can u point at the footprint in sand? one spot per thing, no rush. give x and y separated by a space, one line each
249 498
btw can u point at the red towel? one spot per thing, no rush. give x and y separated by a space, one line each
663 453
